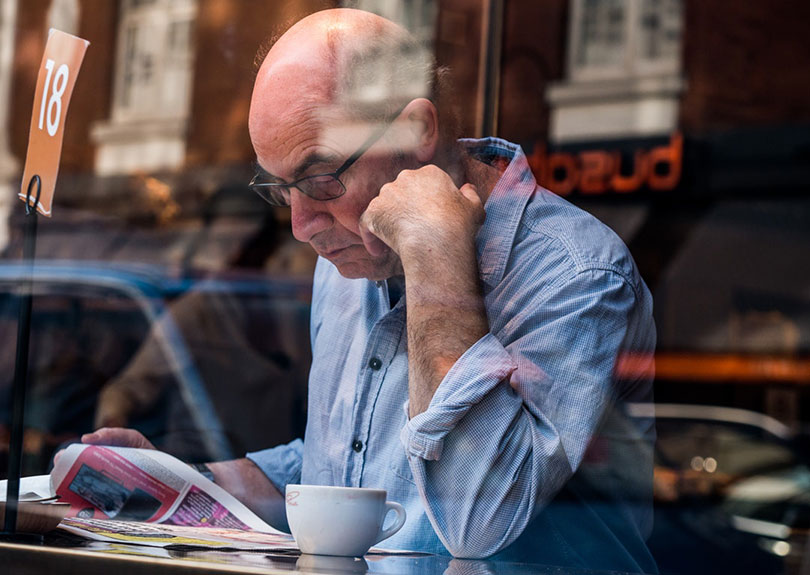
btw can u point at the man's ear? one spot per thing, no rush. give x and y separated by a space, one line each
423 123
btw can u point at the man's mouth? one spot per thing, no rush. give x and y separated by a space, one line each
333 253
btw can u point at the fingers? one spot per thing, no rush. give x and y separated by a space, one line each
470 192
418 209
374 245
117 437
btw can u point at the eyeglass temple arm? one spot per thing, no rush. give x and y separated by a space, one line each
372 139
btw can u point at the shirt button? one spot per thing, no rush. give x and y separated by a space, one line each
357 445
374 363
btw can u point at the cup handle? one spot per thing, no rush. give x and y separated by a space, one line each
398 522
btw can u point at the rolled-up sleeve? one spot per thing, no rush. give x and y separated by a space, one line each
281 464
482 367
510 422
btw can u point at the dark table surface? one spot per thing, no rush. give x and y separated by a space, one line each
66 555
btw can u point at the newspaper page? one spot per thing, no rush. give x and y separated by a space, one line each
34 488
119 493
177 536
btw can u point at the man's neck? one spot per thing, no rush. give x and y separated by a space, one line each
466 169
396 288
483 176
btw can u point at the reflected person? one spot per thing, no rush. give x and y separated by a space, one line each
265 336
466 323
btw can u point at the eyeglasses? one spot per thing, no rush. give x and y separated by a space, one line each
321 187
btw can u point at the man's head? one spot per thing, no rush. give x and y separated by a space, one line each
323 89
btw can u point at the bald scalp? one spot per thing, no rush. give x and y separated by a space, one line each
333 36
363 63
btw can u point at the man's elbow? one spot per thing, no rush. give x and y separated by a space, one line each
477 545
473 551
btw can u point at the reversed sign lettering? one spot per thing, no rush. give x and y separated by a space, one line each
602 171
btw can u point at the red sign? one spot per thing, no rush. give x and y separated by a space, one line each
601 171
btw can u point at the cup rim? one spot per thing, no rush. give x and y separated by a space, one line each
308 486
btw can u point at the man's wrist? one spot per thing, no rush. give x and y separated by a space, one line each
450 270
203 470
428 252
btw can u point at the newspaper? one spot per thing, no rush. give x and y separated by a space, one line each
147 497
33 488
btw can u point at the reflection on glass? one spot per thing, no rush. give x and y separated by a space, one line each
172 300
603 33
661 28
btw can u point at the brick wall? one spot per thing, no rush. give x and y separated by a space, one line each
746 64
533 55
228 34
91 96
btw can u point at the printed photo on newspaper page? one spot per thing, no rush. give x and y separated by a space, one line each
151 498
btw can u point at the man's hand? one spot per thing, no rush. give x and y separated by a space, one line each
245 481
422 214
431 224
114 436
239 477
117 437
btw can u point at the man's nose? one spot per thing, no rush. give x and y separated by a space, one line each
309 217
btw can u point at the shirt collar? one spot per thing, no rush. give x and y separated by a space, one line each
504 206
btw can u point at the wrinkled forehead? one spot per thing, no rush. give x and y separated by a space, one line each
287 95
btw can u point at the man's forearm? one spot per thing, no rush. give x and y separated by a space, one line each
446 316
245 481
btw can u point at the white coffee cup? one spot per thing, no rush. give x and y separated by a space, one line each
343 521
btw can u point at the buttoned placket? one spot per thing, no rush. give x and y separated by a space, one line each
381 347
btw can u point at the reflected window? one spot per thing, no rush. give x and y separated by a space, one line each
64 15
154 63
153 78
612 38
623 71
386 76
418 16
602 34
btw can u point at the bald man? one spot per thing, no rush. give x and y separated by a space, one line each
465 321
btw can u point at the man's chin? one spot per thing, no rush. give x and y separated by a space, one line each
374 269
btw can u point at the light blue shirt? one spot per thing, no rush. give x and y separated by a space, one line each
500 462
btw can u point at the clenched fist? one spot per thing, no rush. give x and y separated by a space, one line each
423 217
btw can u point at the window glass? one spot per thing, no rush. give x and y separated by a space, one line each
538 270
603 38
154 72
660 34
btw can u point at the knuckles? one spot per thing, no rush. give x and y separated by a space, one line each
426 196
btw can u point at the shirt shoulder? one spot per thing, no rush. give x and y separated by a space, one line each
554 232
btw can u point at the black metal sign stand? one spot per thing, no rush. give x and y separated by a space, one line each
9 531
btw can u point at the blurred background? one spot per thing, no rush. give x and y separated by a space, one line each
172 299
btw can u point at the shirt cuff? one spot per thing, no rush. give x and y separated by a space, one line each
479 370
282 464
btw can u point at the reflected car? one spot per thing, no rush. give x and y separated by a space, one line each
732 491
98 327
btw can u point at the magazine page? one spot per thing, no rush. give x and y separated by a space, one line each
145 485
